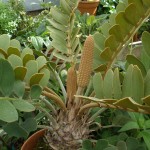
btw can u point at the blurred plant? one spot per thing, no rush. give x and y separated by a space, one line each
107 6
46 5
9 19
123 142
18 24
17 5
144 27
32 26
139 126
89 24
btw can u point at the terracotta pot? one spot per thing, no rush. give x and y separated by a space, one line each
31 142
88 7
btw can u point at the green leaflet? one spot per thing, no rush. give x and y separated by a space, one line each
61 56
145 59
129 126
133 84
112 20
15 61
117 92
139 7
23 105
43 82
75 44
131 59
108 84
29 125
132 143
121 145
32 68
65 6
26 51
146 136
27 57
59 16
120 7
101 68
130 16
41 60
111 43
60 34
126 27
15 44
20 73
13 50
75 31
98 85
101 144
97 62
127 83
36 78
147 84
99 41
7 77
116 31
58 39
106 54
87 145
146 42
57 25
36 91
19 88
4 42
15 130
8 112
137 85
105 29
60 46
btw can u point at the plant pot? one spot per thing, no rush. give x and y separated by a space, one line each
88 7
31 142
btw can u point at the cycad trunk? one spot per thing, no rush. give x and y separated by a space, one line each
69 134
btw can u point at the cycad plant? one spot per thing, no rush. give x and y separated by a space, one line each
69 117
71 123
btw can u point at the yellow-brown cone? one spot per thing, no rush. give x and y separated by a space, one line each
71 83
85 67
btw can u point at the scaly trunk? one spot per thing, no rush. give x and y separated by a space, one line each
69 134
